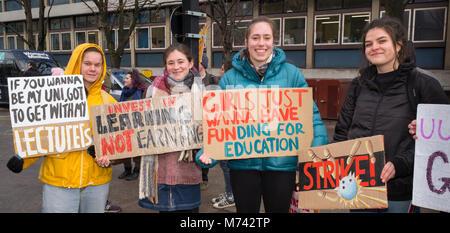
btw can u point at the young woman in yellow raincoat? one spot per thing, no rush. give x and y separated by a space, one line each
73 181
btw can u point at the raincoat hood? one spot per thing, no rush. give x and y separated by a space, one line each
74 65
77 169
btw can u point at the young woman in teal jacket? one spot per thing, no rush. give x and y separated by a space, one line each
261 64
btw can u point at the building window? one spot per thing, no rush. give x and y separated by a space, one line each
12 5
429 24
271 7
58 2
158 35
294 31
11 42
144 17
216 36
2 43
15 42
93 37
17 26
158 16
54 38
356 3
340 4
352 28
277 23
239 33
80 38
125 31
406 20
113 36
245 8
61 41
295 6
86 21
142 38
327 29
60 23
34 3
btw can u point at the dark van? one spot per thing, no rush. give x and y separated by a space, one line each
13 63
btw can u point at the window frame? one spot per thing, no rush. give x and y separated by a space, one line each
136 38
151 37
279 31
241 46
414 24
409 20
60 42
284 29
339 30
90 31
343 26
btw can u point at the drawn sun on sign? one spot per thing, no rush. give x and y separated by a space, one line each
350 192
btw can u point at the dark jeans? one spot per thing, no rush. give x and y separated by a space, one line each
275 187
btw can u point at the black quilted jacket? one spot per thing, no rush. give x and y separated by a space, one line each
385 110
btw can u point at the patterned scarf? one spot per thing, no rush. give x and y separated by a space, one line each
261 70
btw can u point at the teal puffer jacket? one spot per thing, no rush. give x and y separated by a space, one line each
279 74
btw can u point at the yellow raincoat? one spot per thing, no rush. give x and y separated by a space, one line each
76 169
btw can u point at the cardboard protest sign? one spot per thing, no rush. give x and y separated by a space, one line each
293 207
49 114
344 175
431 188
143 127
249 123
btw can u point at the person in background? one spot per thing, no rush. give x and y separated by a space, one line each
211 82
75 182
132 90
261 64
382 106
32 70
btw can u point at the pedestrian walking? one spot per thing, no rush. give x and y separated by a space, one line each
133 89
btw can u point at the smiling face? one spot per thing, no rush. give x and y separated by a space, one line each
91 67
178 65
380 50
259 43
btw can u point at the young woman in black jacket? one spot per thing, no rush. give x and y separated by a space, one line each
377 103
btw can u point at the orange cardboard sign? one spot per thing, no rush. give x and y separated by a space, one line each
257 122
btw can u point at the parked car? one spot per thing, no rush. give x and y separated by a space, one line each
117 78
14 63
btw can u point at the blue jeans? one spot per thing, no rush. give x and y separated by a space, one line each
226 176
90 199
393 207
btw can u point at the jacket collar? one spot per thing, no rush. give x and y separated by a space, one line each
370 73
